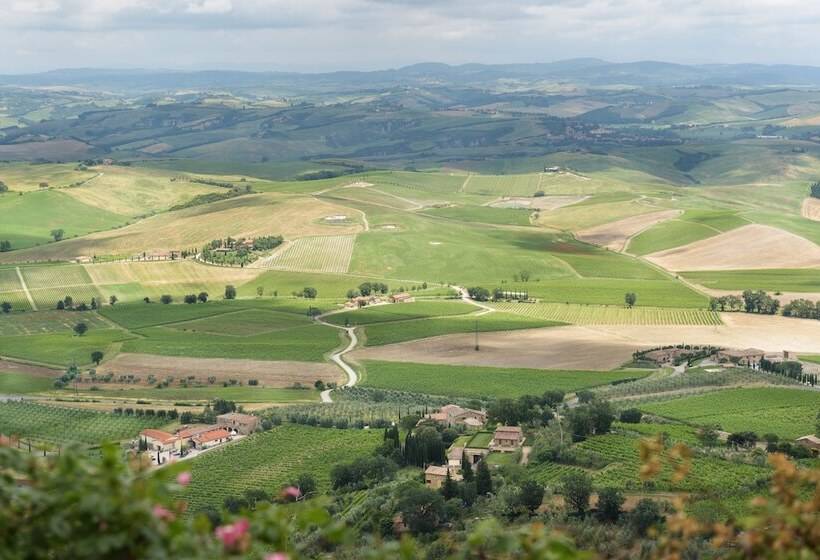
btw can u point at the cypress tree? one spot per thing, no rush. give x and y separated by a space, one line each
483 480
466 468
449 489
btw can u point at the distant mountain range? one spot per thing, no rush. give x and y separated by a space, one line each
583 71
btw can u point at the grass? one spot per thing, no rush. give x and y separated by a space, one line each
21 383
692 226
50 284
789 413
482 214
783 280
244 323
273 459
141 315
469 381
45 322
378 334
307 343
401 312
62 425
481 440
611 315
504 185
815 359
62 348
29 218
610 291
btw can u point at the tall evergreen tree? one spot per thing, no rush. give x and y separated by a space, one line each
449 489
466 468
483 480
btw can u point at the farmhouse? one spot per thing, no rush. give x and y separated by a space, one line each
211 438
747 357
811 442
454 415
434 476
157 440
402 297
238 423
507 438
362 301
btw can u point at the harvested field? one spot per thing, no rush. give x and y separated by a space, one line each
314 254
811 209
537 203
269 374
611 314
749 247
579 348
615 235
7 366
600 347
245 216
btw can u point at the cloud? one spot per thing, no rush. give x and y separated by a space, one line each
333 34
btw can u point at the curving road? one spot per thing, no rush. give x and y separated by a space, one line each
336 357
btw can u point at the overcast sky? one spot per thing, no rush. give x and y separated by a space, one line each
320 35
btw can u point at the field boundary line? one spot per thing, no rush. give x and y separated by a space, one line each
463 187
25 289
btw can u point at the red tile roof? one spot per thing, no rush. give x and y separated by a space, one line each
213 435
159 435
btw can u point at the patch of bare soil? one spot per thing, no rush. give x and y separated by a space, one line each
615 235
811 209
749 247
552 348
7 366
601 347
269 374
537 203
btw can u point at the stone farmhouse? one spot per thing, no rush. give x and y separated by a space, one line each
453 415
507 439
434 475
238 423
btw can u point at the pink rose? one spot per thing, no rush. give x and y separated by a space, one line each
184 478
162 513
291 493
235 536
277 556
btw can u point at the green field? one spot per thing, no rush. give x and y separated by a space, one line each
243 323
29 219
789 413
244 394
469 381
60 425
63 348
45 322
611 315
482 214
783 280
272 459
21 383
810 358
692 226
378 334
606 291
401 312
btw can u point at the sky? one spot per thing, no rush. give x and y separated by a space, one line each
326 35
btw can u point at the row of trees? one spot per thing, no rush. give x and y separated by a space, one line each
802 308
368 288
814 190
751 301
792 370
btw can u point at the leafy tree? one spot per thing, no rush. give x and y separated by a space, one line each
202 297
708 436
310 293
97 356
112 300
6 307
306 484
631 416
166 298
4 188
478 293
69 302
610 501
189 298
483 479
94 304
532 495
230 292
80 328
630 298
5 246
553 398
742 439
577 488
585 396
421 508
60 305
57 234
260 291
146 299
645 515
814 190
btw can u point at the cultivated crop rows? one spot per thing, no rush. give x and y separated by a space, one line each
314 254
48 322
522 185
611 315
272 459
11 290
49 284
61 425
